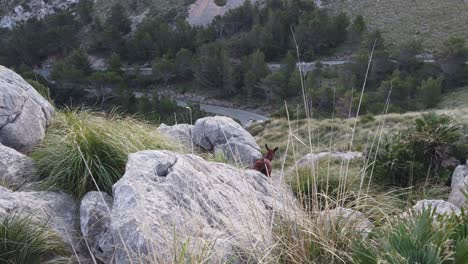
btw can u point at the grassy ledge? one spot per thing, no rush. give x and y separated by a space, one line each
85 151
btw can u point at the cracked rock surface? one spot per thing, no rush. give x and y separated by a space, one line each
166 202
24 113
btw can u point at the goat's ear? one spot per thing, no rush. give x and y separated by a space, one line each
266 146
275 149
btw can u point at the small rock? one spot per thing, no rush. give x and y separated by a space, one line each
182 133
348 218
459 186
58 210
16 169
441 207
224 134
94 223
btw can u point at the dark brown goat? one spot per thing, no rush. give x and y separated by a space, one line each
263 165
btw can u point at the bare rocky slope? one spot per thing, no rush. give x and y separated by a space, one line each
432 21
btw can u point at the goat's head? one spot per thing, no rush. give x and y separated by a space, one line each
270 152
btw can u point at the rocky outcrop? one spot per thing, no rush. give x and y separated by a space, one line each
440 207
348 218
16 169
58 210
166 203
224 135
181 133
313 158
94 223
202 12
25 10
24 113
459 187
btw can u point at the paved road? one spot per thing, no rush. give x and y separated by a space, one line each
242 115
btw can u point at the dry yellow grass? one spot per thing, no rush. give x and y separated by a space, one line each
432 21
335 134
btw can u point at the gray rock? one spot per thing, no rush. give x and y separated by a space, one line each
24 113
225 135
58 210
182 133
94 223
441 207
313 158
166 201
459 186
16 169
349 218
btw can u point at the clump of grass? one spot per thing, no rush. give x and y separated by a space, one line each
83 151
326 180
40 88
24 241
422 238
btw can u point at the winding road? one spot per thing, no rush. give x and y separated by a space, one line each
242 115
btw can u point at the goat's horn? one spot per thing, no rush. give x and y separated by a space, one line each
267 147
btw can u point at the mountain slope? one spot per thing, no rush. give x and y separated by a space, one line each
15 11
432 21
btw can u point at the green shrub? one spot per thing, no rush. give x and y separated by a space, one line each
423 238
420 152
40 88
81 147
367 118
23 241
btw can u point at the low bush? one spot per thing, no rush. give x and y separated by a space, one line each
423 238
23 241
424 151
84 151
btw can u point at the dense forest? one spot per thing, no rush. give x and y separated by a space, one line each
229 58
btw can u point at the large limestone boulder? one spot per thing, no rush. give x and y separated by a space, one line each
24 113
94 223
459 187
181 133
58 210
16 169
224 135
167 203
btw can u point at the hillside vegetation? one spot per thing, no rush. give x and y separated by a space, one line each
430 20
335 134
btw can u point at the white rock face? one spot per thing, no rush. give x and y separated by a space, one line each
441 207
312 158
24 113
58 210
181 133
94 222
346 218
224 135
16 169
166 201
459 185
38 9
202 12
